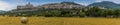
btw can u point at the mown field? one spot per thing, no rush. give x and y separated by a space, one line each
59 21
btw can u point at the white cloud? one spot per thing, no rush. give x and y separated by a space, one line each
84 4
5 6
115 1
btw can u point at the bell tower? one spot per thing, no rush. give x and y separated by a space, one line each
29 5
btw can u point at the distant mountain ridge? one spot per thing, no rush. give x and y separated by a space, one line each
2 12
106 4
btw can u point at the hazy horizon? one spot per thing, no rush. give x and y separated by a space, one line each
11 4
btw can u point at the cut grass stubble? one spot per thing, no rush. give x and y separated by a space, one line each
59 21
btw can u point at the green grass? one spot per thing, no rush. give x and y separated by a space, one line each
59 21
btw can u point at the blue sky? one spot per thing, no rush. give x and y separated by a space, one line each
11 4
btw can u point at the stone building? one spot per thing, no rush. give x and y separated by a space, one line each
62 5
27 7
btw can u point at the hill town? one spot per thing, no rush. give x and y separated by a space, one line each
66 9
30 7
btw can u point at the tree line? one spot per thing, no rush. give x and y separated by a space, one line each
94 11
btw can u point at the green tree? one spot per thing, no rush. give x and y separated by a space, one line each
82 14
94 11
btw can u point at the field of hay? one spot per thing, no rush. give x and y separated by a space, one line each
59 21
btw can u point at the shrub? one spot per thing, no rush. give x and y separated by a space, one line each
82 14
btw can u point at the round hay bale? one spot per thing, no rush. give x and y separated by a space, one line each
24 20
